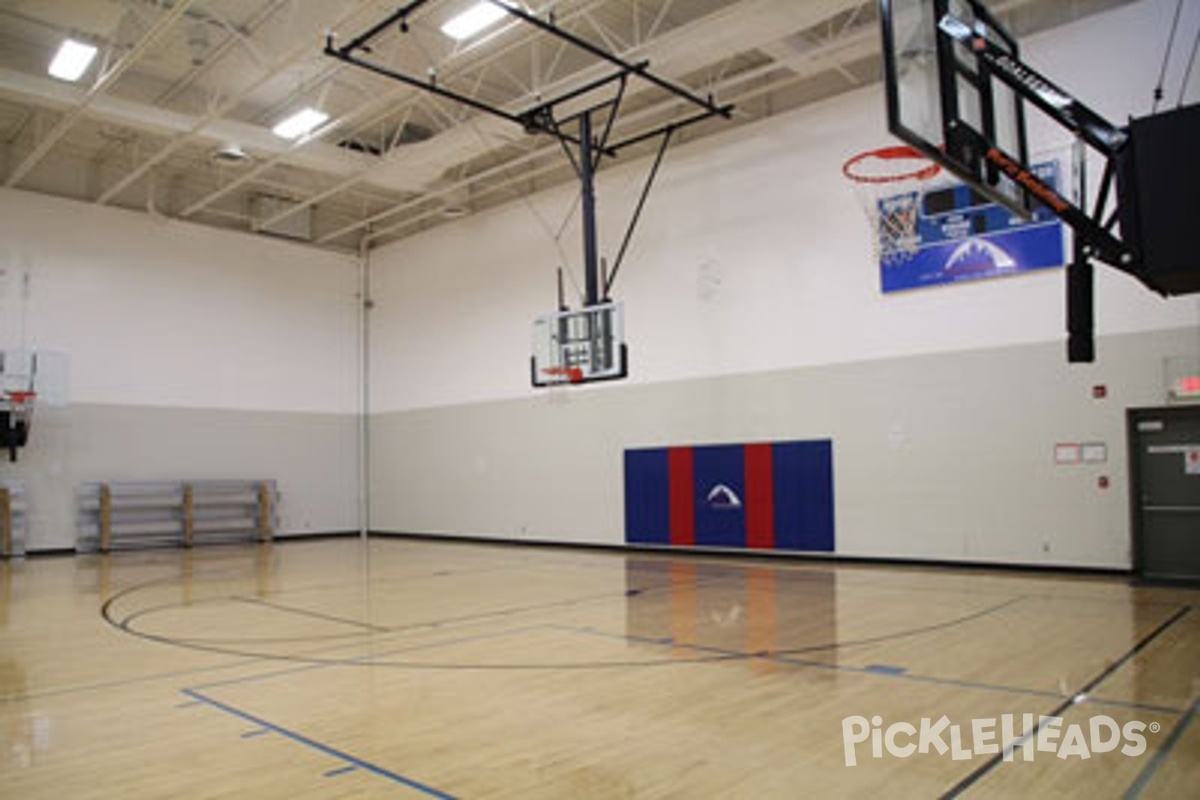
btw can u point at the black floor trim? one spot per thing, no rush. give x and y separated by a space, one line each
758 555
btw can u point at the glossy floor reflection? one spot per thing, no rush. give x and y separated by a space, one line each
418 669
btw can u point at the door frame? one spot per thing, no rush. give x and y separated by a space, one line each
1132 417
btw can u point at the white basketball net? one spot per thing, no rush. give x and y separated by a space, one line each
889 184
895 223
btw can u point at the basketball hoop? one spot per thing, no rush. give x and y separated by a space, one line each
889 183
20 402
17 408
564 374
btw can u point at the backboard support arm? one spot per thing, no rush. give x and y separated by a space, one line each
1094 237
1073 115
586 150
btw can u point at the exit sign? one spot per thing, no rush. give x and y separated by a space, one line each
1186 386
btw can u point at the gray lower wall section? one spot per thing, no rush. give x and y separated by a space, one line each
313 457
947 457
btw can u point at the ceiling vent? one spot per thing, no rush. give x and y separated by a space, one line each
230 155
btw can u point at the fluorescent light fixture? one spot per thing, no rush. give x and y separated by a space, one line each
72 60
473 20
300 123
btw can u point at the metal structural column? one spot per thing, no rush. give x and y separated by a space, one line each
106 507
6 522
189 514
587 179
265 528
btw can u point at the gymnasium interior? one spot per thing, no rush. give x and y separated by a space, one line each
312 487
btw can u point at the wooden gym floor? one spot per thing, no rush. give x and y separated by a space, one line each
408 669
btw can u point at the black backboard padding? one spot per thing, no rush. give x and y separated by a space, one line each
1159 186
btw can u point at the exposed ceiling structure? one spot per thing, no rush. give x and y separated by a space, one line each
174 117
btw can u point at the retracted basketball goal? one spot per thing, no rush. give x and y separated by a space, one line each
571 346
580 346
17 400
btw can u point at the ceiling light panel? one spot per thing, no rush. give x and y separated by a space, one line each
475 19
299 124
72 60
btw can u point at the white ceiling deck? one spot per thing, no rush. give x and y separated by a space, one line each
179 85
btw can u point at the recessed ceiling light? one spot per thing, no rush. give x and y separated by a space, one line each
473 20
72 60
300 123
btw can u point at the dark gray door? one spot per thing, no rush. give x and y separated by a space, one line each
1165 471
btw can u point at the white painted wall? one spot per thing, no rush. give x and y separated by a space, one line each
194 354
753 312
169 314
753 254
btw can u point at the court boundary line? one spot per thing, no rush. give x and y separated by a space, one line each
313 666
782 657
353 761
1150 771
304 612
339 755
200 645
981 771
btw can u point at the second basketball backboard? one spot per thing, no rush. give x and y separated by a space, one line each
942 98
581 346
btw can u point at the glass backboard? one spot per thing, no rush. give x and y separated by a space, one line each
944 100
579 346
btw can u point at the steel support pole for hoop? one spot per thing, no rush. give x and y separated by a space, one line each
587 180
1081 278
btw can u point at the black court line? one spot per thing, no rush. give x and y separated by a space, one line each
207 644
121 683
304 612
781 657
385 580
776 657
995 761
198 645
827 646
1147 774
311 666
887 637
148 610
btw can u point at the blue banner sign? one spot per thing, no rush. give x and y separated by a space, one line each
963 236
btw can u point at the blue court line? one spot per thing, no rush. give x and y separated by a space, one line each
885 669
874 669
340 755
1100 701
333 773
1147 774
